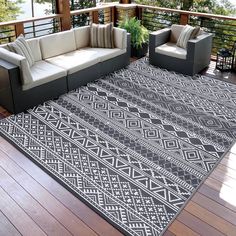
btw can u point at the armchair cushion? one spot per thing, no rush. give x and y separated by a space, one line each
172 50
185 36
196 32
175 32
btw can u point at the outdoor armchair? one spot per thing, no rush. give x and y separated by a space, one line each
164 53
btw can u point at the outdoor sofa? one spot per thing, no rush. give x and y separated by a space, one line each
62 62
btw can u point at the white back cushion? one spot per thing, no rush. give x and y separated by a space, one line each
35 48
82 36
175 32
57 44
120 36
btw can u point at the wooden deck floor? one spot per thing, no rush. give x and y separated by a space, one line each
32 203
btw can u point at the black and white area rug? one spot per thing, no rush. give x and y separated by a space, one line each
134 145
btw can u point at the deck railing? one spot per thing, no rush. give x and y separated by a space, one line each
101 14
31 27
154 18
222 27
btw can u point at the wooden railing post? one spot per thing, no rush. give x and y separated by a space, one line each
95 17
114 15
125 10
63 8
125 1
19 29
139 12
184 19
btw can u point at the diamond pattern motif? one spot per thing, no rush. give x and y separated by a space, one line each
133 146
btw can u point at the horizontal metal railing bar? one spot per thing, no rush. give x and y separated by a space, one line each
159 17
31 26
32 19
222 25
9 36
6 31
41 30
91 9
207 15
205 26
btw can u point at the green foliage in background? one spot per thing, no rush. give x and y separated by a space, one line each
139 34
221 7
82 19
9 10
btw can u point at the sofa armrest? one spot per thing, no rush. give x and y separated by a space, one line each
200 48
19 61
11 57
120 38
10 80
128 42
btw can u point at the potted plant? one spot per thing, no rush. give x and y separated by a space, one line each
139 36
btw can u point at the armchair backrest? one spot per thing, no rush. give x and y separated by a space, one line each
175 32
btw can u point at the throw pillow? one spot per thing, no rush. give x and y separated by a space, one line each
184 36
195 32
101 36
22 48
10 47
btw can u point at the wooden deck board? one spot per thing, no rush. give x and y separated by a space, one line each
211 211
22 222
6 227
82 211
197 225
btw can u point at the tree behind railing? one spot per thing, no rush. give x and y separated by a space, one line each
154 18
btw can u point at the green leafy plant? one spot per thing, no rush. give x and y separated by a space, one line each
139 34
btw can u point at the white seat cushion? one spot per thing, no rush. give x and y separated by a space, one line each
43 72
76 60
107 53
170 49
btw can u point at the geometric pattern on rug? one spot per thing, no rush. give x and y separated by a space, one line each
134 145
